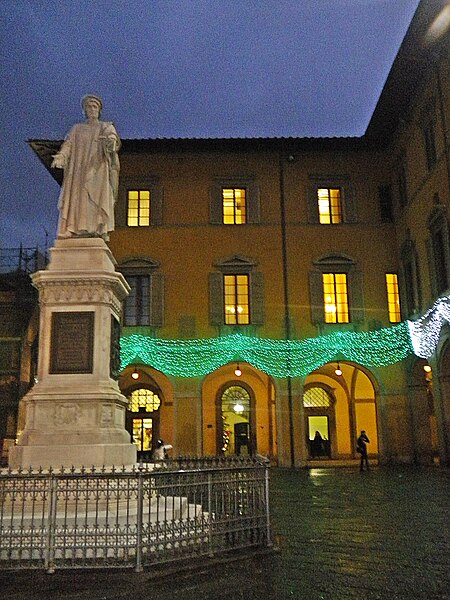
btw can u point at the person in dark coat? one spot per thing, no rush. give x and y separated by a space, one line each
361 447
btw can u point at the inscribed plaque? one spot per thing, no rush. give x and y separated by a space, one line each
72 342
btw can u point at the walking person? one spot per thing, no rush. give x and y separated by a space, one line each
361 447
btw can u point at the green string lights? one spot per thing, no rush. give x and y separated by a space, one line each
290 358
280 358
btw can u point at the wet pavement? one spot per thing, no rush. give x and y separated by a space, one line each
339 535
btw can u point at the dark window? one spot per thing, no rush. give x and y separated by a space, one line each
137 305
385 200
402 186
430 145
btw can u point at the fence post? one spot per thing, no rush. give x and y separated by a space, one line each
140 509
51 525
210 540
266 491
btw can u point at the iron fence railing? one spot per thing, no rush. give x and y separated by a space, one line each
147 515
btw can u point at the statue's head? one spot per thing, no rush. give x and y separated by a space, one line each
91 99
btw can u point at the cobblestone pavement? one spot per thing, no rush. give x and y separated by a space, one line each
340 535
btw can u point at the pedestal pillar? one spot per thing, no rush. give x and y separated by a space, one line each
75 413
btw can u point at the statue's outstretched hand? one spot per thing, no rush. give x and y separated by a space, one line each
59 162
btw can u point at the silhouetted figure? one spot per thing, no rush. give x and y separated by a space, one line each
317 445
361 447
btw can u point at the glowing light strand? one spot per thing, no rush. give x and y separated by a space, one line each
290 358
425 330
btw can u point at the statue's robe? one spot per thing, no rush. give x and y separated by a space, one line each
91 173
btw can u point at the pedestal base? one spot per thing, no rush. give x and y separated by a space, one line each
75 414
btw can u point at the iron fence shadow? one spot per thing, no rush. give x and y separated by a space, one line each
133 517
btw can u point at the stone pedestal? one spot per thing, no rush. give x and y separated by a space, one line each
75 413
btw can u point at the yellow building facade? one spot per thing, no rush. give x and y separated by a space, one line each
260 268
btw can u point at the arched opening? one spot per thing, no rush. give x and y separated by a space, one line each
318 404
142 420
425 427
235 420
339 403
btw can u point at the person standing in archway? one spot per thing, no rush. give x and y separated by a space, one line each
361 447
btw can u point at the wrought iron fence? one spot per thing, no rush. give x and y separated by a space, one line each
147 515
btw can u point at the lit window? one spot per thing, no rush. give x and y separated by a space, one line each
137 305
138 208
393 297
335 297
236 299
234 206
329 201
316 397
143 400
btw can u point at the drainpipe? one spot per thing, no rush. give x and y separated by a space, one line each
287 321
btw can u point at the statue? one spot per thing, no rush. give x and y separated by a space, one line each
91 166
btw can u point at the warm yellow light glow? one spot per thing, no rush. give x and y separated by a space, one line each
138 208
238 371
329 204
338 370
393 297
238 408
335 297
234 206
135 374
427 368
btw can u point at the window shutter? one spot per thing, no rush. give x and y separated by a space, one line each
215 205
156 205
120 208
356 297
350 215
257 299
313 207
216 300
157 300
316 296
253 204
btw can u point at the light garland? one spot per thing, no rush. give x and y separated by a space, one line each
289 358
425 330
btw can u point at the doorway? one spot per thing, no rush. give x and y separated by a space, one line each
319 436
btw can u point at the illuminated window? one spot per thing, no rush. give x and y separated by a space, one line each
329 202
236 299
143 400
137 303
138 212
234 206
316 397
393 297
335 297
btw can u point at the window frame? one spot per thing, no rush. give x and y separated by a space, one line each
393 298
236 265
147 183
146 267
336 263
249 183
347 198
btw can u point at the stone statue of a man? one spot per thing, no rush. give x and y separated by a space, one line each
89 158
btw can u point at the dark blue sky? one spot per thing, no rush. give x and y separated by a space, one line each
182 68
